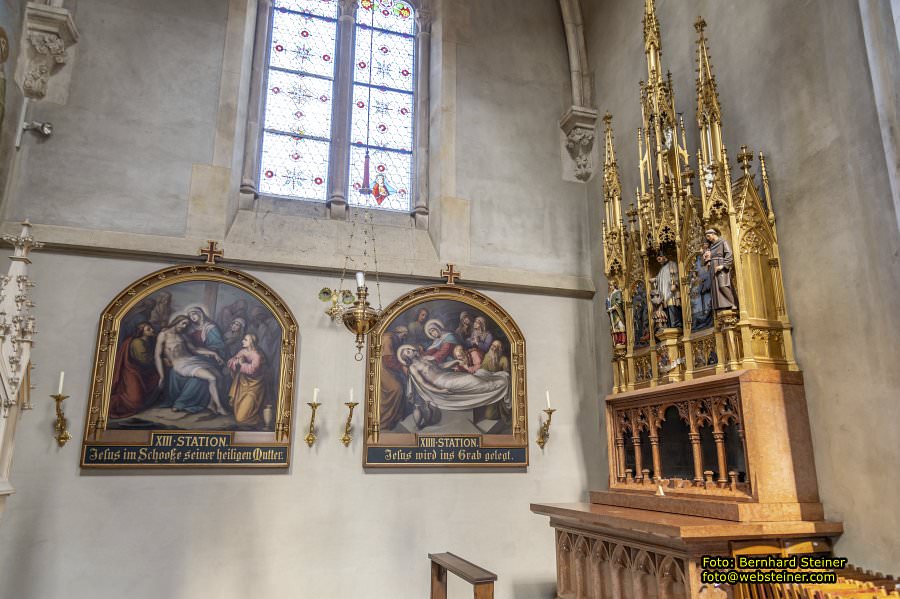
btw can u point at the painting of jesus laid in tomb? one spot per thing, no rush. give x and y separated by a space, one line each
445 369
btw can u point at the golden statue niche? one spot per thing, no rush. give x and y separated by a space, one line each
708 437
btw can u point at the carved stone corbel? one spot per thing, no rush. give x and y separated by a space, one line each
48 32
579 124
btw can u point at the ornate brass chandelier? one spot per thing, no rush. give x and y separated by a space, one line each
354 310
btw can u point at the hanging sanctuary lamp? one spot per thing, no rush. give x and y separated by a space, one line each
357 314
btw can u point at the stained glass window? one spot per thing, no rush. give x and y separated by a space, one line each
382 111
296 157
299 90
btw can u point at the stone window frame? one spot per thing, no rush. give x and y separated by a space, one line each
335 205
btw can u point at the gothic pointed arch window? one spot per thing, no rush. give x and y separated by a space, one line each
321 143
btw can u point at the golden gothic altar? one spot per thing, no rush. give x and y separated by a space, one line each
708 434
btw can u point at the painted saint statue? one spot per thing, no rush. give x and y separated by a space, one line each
667 284
720 261
701 294
641 317
615 307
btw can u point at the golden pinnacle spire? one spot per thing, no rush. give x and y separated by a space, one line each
707 94
612 183
651 26
660 144
652 40
709 111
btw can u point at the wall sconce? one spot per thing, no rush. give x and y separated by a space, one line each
314 404
348 427
62 435
544 432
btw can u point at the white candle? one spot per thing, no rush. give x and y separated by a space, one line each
351 394
62 375
548 399
360 279
316 395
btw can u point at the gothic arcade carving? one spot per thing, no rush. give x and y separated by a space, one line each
594 565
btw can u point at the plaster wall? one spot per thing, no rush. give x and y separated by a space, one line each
146 148
513 84
324 529
794 81
141 109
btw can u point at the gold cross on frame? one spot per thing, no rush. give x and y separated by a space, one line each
451 274
211 252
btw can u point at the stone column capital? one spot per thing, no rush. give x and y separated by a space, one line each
424 17
347 8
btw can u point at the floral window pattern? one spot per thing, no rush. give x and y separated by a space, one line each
382 110
298 103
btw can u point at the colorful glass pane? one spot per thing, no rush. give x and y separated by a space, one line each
303 44
392 15
323 8
294 167
392 60
390 179
298 104
299 89
391 114
383 105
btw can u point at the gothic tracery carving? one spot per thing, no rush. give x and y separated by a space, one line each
713 412
609 562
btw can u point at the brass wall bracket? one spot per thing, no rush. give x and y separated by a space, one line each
346 438
311 435
62 435
544 432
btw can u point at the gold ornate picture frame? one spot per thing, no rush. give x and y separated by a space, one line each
194 367
446 383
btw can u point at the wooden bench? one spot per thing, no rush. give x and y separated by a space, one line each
481 579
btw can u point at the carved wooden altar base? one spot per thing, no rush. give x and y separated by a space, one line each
607 551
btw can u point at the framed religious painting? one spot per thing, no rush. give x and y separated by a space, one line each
194 367
445 383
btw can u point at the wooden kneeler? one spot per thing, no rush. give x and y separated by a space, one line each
479 578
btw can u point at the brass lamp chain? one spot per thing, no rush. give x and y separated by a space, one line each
375 261
348 258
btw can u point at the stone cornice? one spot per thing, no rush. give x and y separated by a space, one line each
323 260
